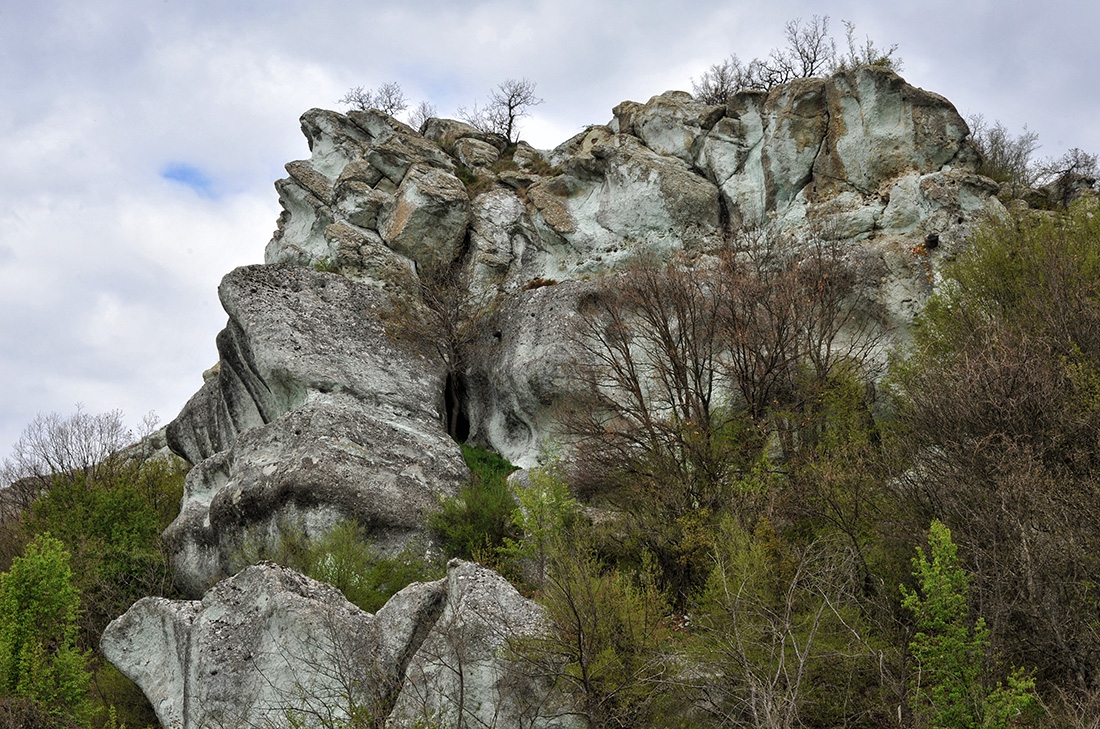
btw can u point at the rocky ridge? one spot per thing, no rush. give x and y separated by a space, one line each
317 411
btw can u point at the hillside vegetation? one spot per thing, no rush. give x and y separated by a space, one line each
757 509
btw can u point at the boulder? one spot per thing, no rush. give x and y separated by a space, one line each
881 128
617 200
672 124
425 220
269 646
316 415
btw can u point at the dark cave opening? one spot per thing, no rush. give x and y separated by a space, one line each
454 402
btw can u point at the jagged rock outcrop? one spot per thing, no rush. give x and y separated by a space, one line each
315 415
269 644
319 410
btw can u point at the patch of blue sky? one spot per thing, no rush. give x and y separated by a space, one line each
191 176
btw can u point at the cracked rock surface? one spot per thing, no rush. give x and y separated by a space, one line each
270 643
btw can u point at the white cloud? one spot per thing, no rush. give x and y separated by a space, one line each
108 271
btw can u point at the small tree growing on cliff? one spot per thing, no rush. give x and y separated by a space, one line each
445 320
387 98
511 100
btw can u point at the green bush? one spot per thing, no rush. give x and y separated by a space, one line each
39 609
998 415
608 643
111 528
344 558
476 523
950 686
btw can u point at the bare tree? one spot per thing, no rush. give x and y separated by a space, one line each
1005 158
721 81
510 101
809 52
445 321
54 446
388 98
1069 177
422 113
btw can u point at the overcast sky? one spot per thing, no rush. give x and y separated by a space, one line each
139 140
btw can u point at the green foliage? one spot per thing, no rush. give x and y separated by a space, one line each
607 646
328 264
998 414
780 636
39 609
949 685
121 703
342 556
476 523
546 511
111 528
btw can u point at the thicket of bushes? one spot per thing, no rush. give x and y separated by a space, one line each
778 545
79 543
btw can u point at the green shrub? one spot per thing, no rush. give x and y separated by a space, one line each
39 609
111 528
343 557
476 523
998 415
608 643
950 685
546 512
328 264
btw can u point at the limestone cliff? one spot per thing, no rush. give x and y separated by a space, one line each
319 410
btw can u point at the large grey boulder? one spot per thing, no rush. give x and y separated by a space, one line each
270 646
315 416
425 220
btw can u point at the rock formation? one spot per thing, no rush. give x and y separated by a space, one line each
270 645
320 410
314 416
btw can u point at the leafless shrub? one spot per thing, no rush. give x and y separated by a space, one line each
387 98
510 101
421 113
866 54
809 52
1005 158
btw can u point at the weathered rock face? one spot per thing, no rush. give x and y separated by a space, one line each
315 416
317 412
269 644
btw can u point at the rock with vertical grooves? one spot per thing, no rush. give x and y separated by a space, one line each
316 415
